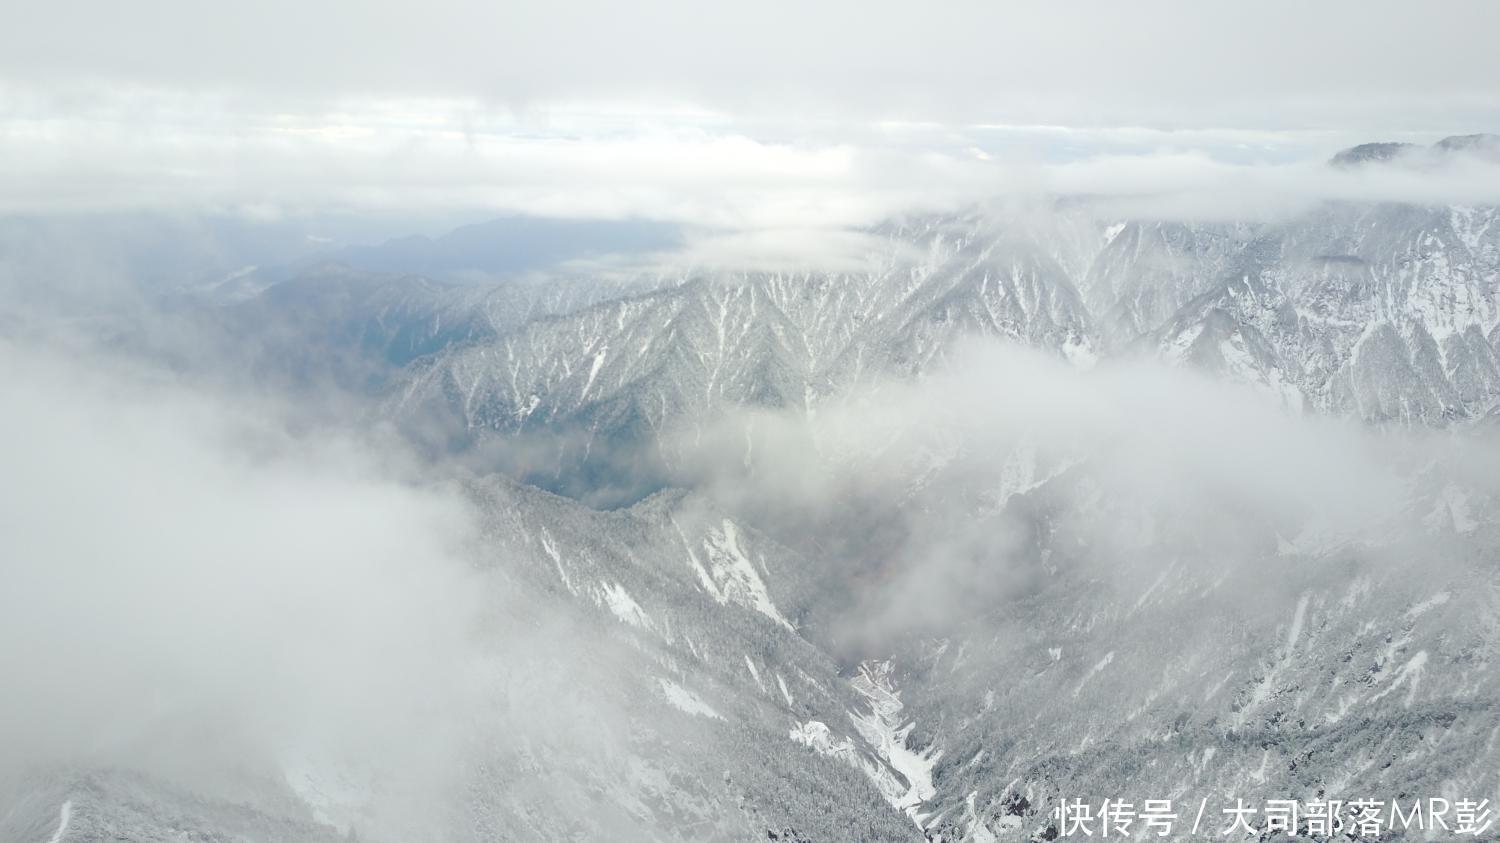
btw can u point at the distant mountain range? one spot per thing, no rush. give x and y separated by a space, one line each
1486 146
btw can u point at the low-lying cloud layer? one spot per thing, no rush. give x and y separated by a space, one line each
439 158
198 589
905 489
176 568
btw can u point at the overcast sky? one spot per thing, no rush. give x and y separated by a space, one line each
727 112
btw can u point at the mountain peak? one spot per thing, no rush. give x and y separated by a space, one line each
1366 153
1484 144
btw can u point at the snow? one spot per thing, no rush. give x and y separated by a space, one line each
816 735
883 729
1080 353
729 576
1259 775
1410 675
1297 618
755 674
1102 664
685 700
975 829
785 694
594 372
703 576
738 570
550 548
1429 604
624 606
1177 348
1146 595
1319 537
64 817
1365 335
1241 364
336 793
1208 755
532 402
1346 702
1219 686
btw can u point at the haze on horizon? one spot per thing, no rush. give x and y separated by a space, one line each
744 116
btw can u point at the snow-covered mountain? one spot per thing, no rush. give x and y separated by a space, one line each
843 578
1387 313
1383 312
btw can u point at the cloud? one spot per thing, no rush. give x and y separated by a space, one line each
171 564
373 162
789 250
743 117
1196 186
1272 65
443 159
935 502
201 590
